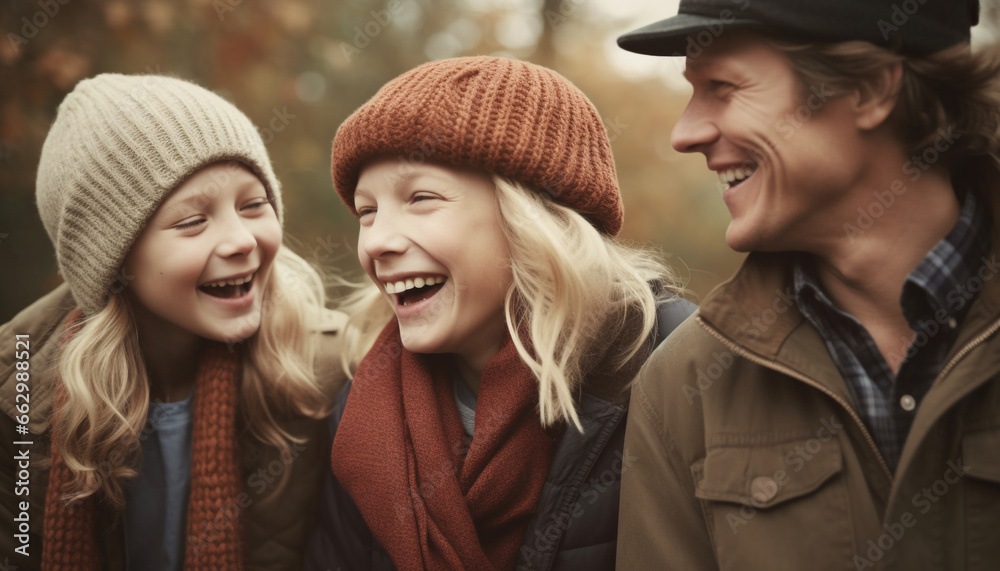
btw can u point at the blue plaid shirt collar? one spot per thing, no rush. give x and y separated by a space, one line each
935 299
949 268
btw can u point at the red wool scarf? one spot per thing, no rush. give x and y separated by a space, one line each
70 535
400 452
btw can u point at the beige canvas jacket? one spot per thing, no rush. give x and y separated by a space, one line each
745 451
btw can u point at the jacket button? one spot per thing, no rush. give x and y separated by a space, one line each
763 489
908 403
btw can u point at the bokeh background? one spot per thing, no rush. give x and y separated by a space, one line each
299 67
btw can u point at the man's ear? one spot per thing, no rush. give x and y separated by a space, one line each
876 97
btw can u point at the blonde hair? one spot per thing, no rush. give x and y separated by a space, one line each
103 370
576 294
954 89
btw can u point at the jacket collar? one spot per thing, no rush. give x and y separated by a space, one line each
43 322
756 308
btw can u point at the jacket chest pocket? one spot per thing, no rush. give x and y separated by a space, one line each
981 463
777 506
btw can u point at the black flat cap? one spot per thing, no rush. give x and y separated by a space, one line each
912 27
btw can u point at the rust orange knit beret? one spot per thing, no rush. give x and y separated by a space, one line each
512 118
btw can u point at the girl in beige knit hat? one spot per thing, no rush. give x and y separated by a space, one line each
175 372
492 352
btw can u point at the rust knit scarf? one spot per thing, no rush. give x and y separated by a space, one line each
70 534
400 452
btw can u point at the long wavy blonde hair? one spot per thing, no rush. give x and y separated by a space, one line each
575 293
104 373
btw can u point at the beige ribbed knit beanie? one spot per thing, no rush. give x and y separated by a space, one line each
509 117
118 146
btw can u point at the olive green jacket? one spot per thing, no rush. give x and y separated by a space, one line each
745 452
277 524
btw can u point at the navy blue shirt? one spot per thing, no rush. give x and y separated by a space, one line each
935 299
156 500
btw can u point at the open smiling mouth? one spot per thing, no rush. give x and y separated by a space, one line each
229 289
415 290
735 176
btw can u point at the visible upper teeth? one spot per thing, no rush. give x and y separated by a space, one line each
224 283
403 285
731 175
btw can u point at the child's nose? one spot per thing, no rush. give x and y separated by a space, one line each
237 239
382 237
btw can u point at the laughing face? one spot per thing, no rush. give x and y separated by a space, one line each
430 238
202 263
785 153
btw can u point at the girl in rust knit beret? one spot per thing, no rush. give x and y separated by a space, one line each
492 351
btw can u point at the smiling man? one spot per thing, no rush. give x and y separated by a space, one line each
836 404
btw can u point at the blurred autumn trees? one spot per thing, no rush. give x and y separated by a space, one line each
299 67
